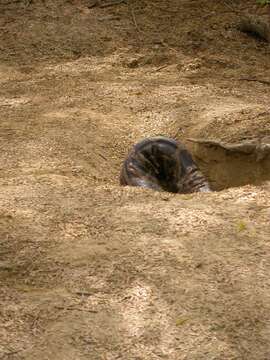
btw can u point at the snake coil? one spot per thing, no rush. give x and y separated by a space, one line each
162 164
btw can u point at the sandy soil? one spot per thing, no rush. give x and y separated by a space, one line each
91 270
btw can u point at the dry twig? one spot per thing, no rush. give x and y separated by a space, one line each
232 9
84 293
112 3
161 68
134 19
75 308
265 82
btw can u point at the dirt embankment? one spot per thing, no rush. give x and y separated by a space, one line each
89 270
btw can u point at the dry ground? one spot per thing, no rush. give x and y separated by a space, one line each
90 270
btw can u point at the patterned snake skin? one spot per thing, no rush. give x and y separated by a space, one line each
162 164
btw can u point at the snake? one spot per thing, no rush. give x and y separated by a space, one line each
162 164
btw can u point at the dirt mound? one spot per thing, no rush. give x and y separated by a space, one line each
232 144
101 274
92 270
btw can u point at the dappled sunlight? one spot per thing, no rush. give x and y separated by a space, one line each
89 269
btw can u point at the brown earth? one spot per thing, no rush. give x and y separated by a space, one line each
90 270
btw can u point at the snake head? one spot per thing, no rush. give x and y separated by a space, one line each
205 188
